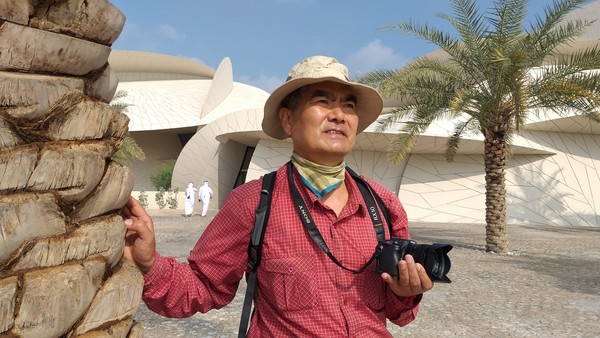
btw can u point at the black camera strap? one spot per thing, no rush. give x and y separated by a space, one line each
315 234
255 248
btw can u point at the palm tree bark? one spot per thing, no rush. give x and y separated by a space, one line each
495 197
61 235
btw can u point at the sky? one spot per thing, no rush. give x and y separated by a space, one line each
265 38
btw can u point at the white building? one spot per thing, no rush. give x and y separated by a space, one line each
210 125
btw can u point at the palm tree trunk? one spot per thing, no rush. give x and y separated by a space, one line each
495 197
61 235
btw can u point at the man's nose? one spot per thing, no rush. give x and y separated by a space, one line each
336 113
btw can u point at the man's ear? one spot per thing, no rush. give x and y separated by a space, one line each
285 118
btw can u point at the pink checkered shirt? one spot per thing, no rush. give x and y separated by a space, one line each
301 292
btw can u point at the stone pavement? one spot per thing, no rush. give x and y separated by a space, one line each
548 286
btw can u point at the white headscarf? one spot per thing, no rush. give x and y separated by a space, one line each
190 189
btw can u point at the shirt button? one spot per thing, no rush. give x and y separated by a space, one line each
290 269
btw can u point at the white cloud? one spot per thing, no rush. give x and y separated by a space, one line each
373 56
169 31
130 30
370 57
135 37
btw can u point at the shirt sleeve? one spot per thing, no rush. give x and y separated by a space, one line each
169 289
215 266
399 310
402 310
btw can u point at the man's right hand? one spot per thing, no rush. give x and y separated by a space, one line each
140 244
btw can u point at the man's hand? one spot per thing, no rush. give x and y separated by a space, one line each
413 278
140 244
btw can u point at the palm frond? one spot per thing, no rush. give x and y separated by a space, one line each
468 21
392 118
129 151
587 59
549 31
119 94
120 107
401 147
454 140
422 31
554 13
507 19
378 78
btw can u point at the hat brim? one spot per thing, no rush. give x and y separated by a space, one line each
369 104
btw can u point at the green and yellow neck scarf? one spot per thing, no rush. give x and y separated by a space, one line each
318 178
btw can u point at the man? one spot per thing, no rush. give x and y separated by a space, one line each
205 195
302 292
190 198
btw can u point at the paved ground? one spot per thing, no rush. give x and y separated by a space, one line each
549 286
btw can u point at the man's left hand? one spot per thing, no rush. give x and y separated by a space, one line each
413 278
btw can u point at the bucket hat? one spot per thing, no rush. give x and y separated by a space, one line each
319 69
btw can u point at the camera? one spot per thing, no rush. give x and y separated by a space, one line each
434 257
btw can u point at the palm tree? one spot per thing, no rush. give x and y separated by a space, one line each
490 78
61 245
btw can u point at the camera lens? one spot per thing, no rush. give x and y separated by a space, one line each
434 259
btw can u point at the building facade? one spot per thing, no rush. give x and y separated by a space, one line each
210 126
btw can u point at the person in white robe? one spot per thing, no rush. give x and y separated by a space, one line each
190 198
205 194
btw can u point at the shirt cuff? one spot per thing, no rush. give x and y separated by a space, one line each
156 271
405 309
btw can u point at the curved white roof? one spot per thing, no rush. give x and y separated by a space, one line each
128 61
170 101
242 97
157 105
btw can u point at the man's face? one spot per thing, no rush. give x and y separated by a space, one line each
323 127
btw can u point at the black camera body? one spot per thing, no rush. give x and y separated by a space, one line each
434 257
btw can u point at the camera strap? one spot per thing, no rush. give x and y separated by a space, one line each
255 248
315 234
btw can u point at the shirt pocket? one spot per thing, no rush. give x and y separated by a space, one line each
289 283
373 288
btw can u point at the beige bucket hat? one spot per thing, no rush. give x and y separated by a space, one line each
319 69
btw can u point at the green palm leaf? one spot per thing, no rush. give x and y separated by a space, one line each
489 75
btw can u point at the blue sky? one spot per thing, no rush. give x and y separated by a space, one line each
265 38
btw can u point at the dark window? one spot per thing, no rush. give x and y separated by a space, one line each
241 177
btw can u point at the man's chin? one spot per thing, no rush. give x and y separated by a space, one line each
336 152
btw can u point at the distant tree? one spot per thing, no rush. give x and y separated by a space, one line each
162 178
495 74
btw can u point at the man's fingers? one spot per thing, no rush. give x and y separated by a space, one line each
413 274
140 227
412 278
426 282
403 275
134 210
